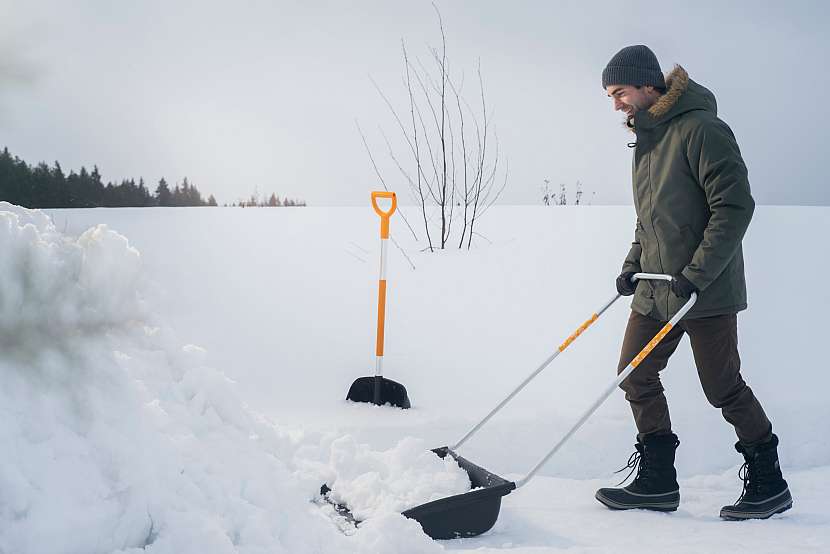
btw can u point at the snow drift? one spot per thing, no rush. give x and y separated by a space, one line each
116 438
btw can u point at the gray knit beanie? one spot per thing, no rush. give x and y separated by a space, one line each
633 65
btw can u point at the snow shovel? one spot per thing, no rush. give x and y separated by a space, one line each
379 390
475 512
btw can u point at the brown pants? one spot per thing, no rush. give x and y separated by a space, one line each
715 348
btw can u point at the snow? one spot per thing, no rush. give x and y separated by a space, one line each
174 381
371 483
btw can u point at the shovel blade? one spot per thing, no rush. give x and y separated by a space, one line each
391 392
467 514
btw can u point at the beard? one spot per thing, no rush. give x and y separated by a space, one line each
630 109
628 112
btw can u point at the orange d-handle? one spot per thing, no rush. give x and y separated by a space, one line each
384 216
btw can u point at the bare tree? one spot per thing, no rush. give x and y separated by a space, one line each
452 160
550 197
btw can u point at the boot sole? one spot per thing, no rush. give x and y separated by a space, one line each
653 506
743 516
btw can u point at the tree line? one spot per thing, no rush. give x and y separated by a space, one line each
42 186
272 201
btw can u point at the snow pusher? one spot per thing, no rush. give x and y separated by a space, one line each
472 513
377 389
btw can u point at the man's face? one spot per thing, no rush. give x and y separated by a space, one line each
630 99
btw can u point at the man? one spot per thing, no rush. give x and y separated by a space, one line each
693 205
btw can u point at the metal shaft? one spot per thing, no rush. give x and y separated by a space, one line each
538 370
620 378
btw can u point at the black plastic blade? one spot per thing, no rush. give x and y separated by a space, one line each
462 515
468 514
391 392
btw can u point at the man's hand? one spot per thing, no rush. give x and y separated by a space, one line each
682 287
624 284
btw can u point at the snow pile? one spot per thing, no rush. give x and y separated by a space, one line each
117 439
86 284
371 482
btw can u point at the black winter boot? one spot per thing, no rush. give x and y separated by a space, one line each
655 486
765 491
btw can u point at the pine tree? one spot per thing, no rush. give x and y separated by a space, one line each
163 195
143 196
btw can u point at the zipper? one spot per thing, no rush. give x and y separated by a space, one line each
653 228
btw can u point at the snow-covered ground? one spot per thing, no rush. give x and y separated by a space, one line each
183 391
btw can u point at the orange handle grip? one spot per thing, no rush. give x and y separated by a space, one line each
578 332
651 345
381 317
384 215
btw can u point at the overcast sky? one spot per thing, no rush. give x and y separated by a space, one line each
238 95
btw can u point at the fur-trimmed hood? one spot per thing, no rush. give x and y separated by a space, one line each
683 95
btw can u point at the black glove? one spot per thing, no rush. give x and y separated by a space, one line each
624 284
682 287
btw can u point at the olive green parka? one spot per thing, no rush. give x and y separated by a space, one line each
693 203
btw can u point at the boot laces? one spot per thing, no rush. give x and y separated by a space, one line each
755 480
745 475
635 462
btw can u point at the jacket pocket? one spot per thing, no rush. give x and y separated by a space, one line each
691 240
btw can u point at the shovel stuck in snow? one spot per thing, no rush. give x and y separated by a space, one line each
472 513
379 390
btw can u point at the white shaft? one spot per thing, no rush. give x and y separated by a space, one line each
611 388
522 385
501 404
